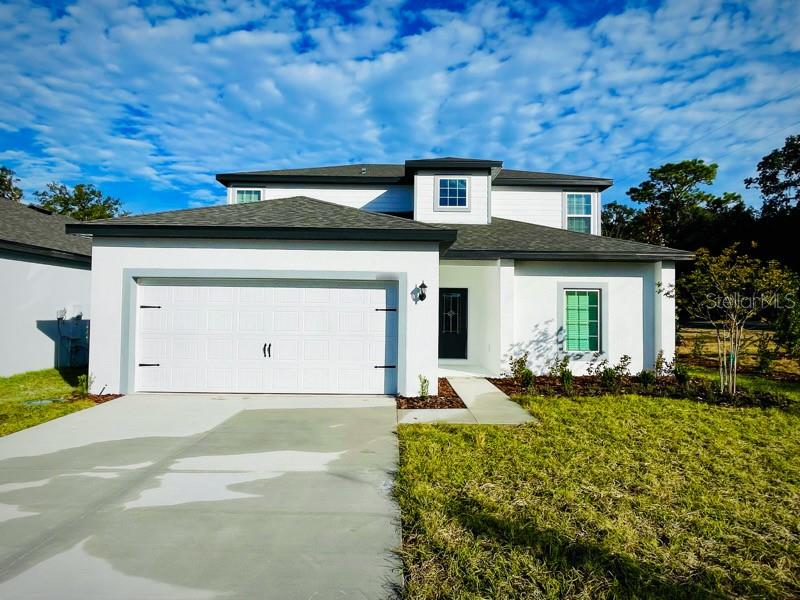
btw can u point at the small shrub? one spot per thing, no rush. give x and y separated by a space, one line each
567 379
85 382
646 378
697 348
765 356
681 374
424 386
525 378
560 370
611 378
518 365
660 365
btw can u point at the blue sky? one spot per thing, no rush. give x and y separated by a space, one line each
150 100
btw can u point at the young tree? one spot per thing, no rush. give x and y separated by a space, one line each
729 291
779 177
8 185
84 202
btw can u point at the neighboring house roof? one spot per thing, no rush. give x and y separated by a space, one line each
368 173
298 217
503 238
307 218
33 230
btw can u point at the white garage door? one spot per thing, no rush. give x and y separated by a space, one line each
266 336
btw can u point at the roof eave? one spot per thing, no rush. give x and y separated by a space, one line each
61 255
274 233
230 179
568 256
601 184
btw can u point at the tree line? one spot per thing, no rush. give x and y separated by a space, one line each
747 263
83 202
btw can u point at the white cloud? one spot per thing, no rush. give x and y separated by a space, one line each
168 96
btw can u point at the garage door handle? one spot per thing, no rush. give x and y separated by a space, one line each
269 351
264 349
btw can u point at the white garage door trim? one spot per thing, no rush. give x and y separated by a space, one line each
266 335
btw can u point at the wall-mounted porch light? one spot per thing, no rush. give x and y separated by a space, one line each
423 291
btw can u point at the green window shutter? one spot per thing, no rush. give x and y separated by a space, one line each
582 320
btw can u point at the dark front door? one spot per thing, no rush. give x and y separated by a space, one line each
452 323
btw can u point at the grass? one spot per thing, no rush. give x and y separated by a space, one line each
790 389
37 385
699 347
610 497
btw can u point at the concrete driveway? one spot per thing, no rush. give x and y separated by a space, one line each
202 496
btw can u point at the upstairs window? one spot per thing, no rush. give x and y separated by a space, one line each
582 321
452 193
579 212
245 196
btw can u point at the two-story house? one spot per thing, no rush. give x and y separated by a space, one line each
361 278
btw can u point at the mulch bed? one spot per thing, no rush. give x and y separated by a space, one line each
447 398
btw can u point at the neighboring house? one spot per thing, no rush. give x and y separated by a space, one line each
46 279
361 278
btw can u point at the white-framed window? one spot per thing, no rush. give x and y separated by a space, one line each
245 196
452 193
579 212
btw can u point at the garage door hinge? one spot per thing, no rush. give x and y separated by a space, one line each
148 306
385 366
386 309
149 364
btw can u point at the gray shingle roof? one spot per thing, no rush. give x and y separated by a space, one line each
298 217
27 229
307 218
393 173
503 238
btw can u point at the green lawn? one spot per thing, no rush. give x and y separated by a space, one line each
611 497
791 389
36 385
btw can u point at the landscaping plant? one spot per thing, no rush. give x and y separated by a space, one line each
729 291
424 386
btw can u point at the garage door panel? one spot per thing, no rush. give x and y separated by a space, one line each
315 321
252 321
325 338
190 320
188 349
220 321
286 320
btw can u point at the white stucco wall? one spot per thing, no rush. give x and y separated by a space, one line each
426 199
376 198
33 290
411 262
629 295
538 205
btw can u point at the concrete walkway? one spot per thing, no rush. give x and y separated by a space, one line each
201 496
485 405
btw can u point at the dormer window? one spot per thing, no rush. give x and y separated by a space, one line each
579 212
452 193
245 196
